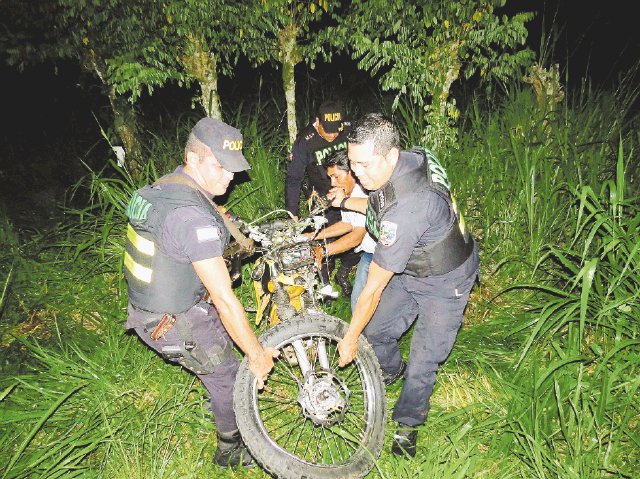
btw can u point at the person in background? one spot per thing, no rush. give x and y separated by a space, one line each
173 256
349 233
316 142
423 268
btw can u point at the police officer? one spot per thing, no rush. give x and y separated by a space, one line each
316 142
424 266
174 246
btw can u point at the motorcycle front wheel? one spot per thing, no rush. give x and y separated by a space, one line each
313 419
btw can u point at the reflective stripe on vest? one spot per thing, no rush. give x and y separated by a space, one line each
137 270
156 281
145 246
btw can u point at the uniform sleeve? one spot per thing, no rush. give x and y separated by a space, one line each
401 226
295 175
192 234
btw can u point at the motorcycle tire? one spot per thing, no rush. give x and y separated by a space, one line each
357 391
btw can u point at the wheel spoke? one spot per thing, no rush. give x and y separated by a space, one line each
279 411
297 419
324 435
289 370
283 380
295 447
362 431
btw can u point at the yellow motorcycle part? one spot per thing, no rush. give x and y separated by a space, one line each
262 300
295 299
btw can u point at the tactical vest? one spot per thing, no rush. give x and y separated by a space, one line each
156 282
435 258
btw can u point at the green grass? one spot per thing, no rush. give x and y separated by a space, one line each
543 381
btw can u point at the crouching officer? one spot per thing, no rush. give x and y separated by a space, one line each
424 266
175 241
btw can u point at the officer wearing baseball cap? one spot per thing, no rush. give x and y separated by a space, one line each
423 268
224 141
315 143
173 256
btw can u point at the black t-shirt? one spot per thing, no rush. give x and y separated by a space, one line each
307 156
419 217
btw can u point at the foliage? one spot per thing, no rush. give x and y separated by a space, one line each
420 49
543 380
586 320
282 32
193 42
26 37
267 22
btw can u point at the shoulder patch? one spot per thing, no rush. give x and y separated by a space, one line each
210 233
388 233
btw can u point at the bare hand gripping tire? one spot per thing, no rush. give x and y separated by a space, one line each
313 420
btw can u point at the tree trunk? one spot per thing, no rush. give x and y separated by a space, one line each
125 123
126 126
290 56
209 98
202 65
451 74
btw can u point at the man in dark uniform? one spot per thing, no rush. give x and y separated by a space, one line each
424 265
316 142
175 241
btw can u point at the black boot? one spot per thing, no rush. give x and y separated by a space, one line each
390 378
231 451
342 279
404 440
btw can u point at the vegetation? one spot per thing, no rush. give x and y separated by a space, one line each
421 49
544 379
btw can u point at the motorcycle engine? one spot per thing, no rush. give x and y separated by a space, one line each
295 257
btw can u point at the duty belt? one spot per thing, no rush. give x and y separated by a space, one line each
189 354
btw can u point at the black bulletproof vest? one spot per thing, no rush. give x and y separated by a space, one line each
165 286
438 257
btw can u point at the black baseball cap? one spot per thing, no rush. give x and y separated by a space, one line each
225 142
331 116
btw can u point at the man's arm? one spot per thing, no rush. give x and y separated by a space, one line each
336 195
366 305
346 242
215 277
336 229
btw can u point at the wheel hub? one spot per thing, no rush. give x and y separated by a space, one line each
324 398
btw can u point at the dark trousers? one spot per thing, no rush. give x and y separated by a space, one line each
348 259
438 303
207 331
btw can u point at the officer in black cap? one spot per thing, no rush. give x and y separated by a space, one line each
316 142
424 266
174 245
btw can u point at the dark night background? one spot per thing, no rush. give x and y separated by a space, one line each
50 114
